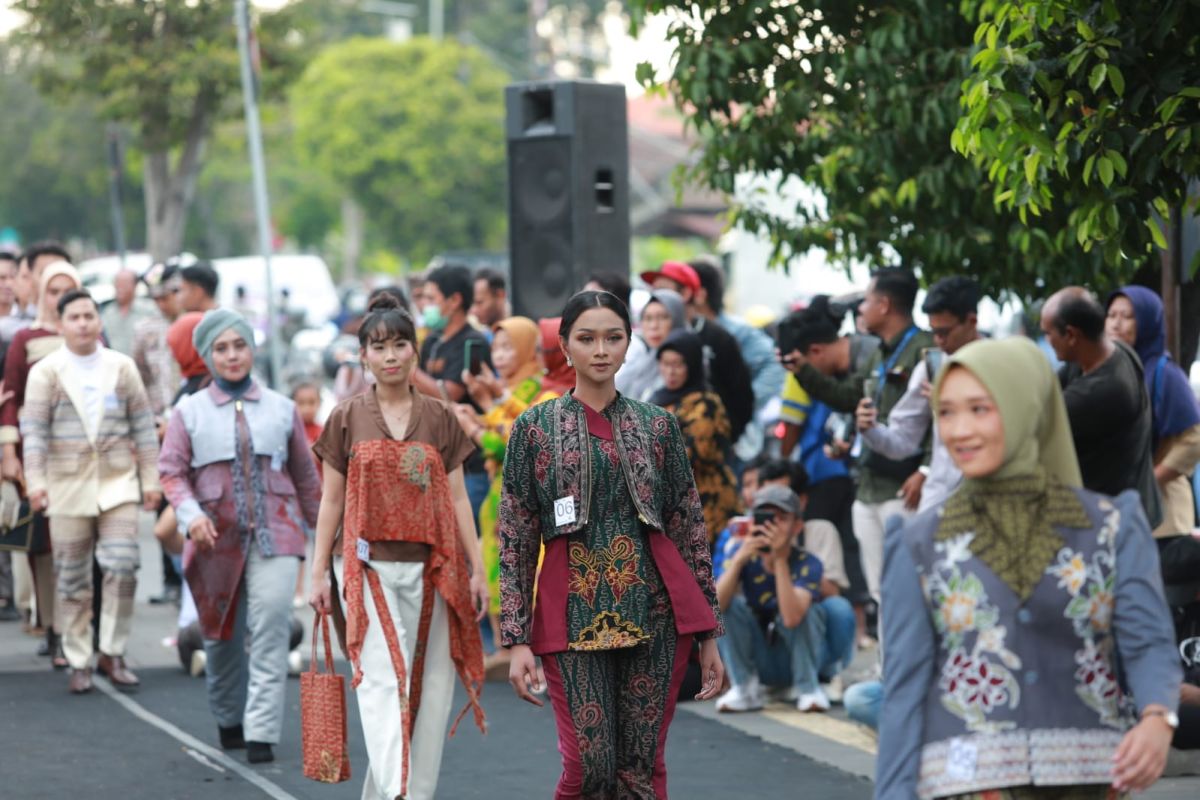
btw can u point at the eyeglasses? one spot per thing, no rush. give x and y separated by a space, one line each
942 333
655 318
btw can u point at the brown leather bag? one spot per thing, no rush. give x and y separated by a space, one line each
323 716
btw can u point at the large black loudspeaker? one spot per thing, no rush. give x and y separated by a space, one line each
568 190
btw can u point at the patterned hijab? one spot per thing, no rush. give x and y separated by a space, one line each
1013 512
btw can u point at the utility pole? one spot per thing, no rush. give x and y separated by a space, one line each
262 208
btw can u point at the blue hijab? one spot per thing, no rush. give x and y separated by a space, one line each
1174 404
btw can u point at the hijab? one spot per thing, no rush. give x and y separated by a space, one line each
689 346
47 316
1012 513
179 339
524 335
1174 404
639 376
560 378
213 324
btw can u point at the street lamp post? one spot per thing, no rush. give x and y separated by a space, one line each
262 207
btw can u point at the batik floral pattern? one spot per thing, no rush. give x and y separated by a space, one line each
977 675
1091 584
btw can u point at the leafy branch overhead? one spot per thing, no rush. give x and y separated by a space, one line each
860 101
1089 106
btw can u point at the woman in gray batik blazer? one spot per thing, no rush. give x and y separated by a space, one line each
1027 643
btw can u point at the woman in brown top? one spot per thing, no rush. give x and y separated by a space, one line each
410 569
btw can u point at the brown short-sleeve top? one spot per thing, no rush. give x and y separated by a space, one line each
359 419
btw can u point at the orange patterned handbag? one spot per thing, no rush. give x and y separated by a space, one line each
323 716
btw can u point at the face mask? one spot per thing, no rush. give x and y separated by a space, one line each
432 317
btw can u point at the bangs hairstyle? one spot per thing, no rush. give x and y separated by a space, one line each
386 320
586 301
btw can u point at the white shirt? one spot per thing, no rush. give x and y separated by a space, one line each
91 381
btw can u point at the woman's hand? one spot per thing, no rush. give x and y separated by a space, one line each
479 593
321 598
39 500
203 533
712 671
1140 758
467 420
526 676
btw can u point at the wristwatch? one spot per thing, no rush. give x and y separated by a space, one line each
1170 717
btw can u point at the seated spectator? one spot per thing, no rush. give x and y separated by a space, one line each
863 702
780 631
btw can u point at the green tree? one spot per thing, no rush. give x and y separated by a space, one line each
54 178
420 149
858 100
1088 106
167 70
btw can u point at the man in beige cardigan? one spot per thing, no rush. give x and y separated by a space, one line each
91 454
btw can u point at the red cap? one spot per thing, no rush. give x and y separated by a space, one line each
677 271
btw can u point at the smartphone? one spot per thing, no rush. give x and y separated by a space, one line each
870 388
934 358
762 518
473 356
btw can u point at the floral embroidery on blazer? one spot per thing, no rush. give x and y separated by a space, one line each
547 459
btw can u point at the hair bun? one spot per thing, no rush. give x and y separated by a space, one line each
384 301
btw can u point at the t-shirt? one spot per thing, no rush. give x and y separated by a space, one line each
1112 427
91 383
446 360
758 583
360 419
822 540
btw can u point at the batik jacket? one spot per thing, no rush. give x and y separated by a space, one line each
983 691
548 461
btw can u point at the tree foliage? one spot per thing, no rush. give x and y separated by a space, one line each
55 168
1088 106
167 71
858 100
414 133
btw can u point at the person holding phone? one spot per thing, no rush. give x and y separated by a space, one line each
951 304
626 583
504 397
776 619
408 565
448 293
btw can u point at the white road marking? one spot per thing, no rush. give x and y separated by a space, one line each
203 759
183 737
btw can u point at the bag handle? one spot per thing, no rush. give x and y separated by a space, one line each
323 620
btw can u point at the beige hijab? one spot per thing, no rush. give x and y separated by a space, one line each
47 315
1014 512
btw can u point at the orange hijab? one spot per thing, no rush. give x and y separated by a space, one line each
179 339
560 378
524 335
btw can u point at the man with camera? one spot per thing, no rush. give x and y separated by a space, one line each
886 486
780 629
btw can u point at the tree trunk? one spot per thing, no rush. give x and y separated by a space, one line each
169 190
353 220
1189 322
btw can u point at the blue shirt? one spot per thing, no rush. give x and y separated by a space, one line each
758 584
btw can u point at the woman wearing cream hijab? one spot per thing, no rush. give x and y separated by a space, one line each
1013 606
28 347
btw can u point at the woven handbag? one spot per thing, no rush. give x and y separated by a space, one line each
323 716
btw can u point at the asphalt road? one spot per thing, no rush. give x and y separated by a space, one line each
94 746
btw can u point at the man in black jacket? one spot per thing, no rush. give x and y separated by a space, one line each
727 370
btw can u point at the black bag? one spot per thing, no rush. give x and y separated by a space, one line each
891 468
27 535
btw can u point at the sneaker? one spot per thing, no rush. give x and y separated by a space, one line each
295 664
834 689
813 701
199 661
742 697
784 694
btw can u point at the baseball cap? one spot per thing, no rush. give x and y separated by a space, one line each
777 496
677 271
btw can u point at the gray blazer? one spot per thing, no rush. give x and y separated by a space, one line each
983 692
